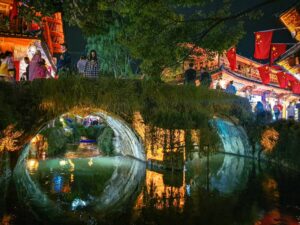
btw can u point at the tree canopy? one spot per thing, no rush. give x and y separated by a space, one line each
154 31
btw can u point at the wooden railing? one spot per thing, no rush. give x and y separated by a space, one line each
16 26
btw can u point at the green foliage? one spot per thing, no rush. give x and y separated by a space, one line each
287 148
93 132
161 105
151 31
57 140
114 58
105 141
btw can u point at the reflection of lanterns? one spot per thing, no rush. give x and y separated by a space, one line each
43 155
58 183
90 162
62 162
32 164
72 165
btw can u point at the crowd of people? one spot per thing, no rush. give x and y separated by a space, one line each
86 66
190 77
265 113
7 67
263 109
36 68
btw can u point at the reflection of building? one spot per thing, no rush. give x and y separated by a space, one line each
165 147
23 38
39 147
165 194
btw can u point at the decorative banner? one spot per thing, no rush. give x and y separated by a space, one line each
290 79
231 56
296 87
282 79
14 11
263 44
276 51
264 72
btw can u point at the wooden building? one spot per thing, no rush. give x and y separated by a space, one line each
23 38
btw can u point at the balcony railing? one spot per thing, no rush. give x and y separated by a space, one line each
15 26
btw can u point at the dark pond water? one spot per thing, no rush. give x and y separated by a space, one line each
117 190
179 184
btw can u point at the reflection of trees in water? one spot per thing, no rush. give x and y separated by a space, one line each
258 197
169 147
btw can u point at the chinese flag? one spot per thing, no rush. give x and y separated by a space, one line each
290 80
296 87
262 44
14 11
282 79
231 56
276 51
264 72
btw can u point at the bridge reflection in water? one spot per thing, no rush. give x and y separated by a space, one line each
221 189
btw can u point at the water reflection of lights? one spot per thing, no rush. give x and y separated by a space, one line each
72 178
90 162
32 164
72 165
62 162
78 203
58 183
156 188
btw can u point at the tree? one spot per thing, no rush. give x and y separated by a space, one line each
114 57
153 31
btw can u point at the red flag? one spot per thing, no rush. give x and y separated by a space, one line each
231 56
282 79
290 79
276 51
276 67
263 44
296 87
264 72
14 11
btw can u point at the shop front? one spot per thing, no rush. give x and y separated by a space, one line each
25 47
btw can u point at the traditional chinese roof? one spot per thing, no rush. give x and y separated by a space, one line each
288 60
16 35
291 19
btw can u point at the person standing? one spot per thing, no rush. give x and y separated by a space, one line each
190 75
81 64
291 111
4 67
10 65
298 107
42 71
65 59
26 73
92 66
277 110
34 65
231 88
220 84
205 78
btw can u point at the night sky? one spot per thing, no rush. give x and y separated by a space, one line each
269 20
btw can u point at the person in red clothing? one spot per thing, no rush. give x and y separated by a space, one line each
42 71
277 110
